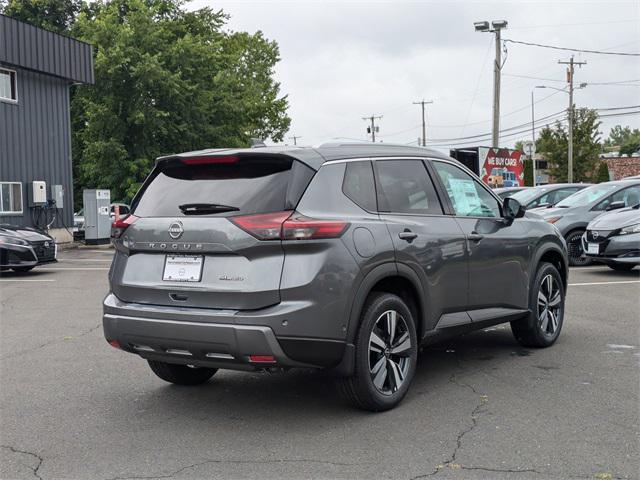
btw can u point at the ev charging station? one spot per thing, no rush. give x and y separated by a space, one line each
97 216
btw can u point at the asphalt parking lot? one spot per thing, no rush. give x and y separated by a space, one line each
480 406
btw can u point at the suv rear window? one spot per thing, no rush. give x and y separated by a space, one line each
248 185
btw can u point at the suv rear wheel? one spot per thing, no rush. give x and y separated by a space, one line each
181 374
386 354
542 326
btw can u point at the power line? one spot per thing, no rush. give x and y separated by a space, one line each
571 24
519 133
554 47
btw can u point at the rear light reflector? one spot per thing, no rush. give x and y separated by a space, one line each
303 228
264 226
262 359
209 160
288 226
114 343
120 225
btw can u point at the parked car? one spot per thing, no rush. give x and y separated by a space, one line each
508 191
78 218
614 238
23 248
572 215
546 196
344 256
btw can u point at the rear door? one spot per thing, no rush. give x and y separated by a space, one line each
189 243
430 243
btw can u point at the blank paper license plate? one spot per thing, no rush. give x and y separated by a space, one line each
183 268
593 249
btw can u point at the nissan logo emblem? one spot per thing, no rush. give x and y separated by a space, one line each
176 230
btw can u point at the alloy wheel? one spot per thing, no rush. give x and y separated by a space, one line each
389 352
549 305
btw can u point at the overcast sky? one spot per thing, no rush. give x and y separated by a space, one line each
345 60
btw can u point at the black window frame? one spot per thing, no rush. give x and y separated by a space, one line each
382 201
13 85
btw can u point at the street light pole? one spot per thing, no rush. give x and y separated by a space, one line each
495 137
496 27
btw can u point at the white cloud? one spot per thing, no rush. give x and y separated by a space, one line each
345 60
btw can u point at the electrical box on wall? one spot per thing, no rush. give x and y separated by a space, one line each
37 193
57 194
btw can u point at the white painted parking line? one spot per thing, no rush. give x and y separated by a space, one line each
26 280
71 269
84 260
603 283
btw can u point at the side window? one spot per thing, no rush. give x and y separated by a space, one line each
359 186
467 195
630 196
10 198
8 91
405 187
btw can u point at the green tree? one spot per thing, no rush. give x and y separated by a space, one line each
624 139
55 15
552 144
167 80
603 172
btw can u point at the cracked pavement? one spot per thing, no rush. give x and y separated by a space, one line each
481 407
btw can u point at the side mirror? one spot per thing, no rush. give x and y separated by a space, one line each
615 205
512 209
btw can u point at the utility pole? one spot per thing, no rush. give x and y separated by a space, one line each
295 139
424 121
496 27
570 71
533 139
373 129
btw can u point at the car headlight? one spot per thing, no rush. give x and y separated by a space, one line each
552 220
630 229
12 241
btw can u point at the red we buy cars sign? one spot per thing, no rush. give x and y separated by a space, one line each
500 167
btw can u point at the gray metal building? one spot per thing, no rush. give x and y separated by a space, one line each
37 67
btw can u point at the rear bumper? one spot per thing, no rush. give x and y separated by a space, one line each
212 338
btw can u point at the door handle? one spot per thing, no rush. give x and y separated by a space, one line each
475 237
407 235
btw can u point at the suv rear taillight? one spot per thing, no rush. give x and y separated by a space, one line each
120 225
288 226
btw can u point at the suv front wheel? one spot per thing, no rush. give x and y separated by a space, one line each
542 326
386 354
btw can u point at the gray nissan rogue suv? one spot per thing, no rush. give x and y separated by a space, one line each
346 257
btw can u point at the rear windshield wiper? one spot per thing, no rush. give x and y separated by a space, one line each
204 208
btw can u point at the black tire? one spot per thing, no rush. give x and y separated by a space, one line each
360 389
181 374
623 267
22 269
577 258
533 331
